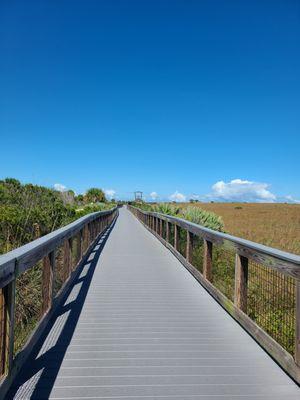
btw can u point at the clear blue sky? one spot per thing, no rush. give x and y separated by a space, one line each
156 95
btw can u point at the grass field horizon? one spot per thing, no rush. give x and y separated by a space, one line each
272 224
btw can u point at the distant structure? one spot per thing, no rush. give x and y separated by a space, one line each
138 196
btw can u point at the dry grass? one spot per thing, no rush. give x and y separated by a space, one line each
275 225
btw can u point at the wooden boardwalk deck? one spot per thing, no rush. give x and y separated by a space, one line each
137 325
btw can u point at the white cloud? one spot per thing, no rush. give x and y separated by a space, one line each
176 196
110 193
59 187
195 197
153 195
291 199
242 190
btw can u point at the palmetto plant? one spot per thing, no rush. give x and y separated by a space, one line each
203 217
165 208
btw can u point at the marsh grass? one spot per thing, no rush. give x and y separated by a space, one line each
275 225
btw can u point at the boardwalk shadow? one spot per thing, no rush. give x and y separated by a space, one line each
37 376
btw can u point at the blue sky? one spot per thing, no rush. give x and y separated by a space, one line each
185 97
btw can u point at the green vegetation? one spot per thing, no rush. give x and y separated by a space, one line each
30 211
27 212
205 218
95 195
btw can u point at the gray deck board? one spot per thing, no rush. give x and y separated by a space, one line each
137 325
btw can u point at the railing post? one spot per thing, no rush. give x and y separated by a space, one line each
86 238
161 228
189 246
48 281
207 259
176 237
167 231
79 247
66 259
241 282
297 333
8 294
88 227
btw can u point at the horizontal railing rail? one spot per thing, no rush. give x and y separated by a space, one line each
258 285
54 258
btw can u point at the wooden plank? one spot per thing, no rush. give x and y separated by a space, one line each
66 265
79 247
48 281
207 259
2 333
7 327
167 231
176 237
241 282
161 227
189 246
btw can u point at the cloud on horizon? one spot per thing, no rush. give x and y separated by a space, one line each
59 187
110 193
154 195
178 197
241 191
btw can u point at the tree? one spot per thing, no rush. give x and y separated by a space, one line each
95 195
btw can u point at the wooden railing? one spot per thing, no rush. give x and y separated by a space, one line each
56 256
258 285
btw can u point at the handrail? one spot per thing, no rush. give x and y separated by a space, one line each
19 260
287 263
74 240
250 259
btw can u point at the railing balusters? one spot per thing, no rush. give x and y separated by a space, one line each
207 259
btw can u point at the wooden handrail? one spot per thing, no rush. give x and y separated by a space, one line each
284 262
19 260
16 262
245 251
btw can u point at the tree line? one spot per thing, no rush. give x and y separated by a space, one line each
29 211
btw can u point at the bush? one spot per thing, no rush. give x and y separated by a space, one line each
203 217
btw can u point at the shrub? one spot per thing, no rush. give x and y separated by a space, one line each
203 217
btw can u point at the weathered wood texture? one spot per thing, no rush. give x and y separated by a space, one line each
189 246
48 281
241 282
7 303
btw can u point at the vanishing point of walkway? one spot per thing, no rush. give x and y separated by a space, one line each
137 325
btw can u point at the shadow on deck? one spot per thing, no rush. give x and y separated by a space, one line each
40 370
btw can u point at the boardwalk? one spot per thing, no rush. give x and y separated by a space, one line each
137 325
